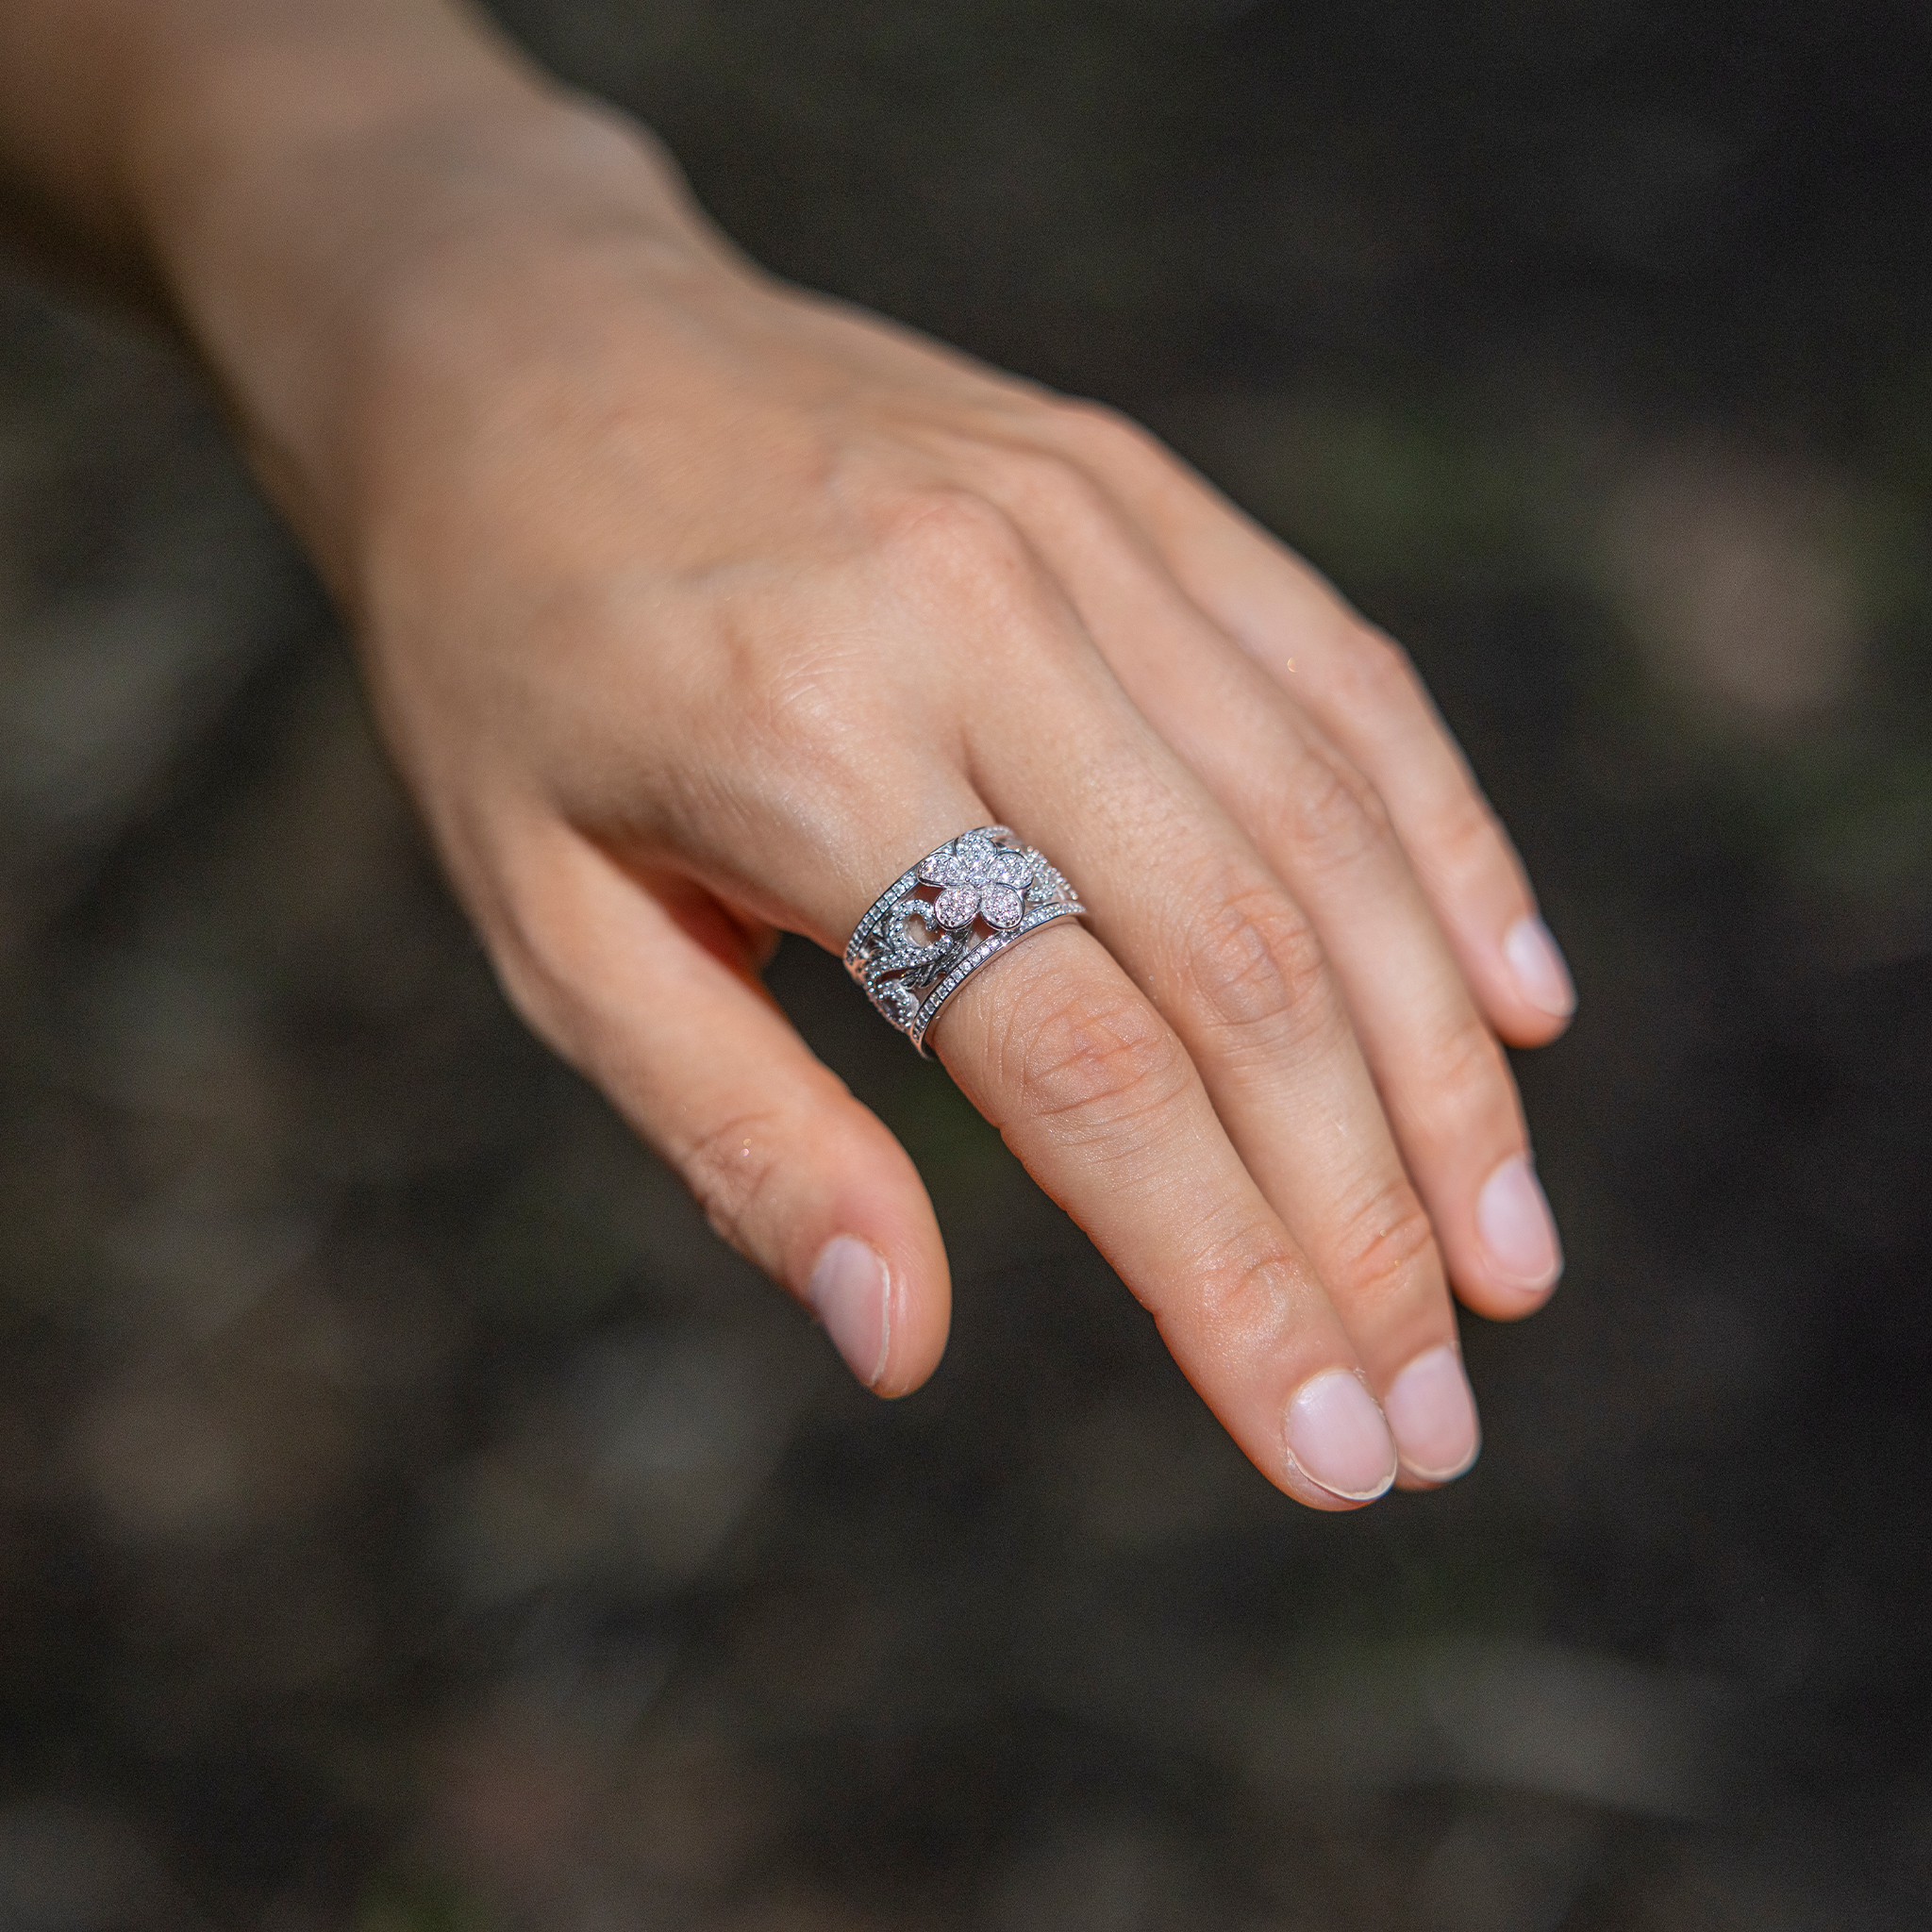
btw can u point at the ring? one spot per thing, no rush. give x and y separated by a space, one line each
935 926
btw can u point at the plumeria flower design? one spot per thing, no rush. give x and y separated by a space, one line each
978 880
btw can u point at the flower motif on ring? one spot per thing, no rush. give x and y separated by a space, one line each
977 879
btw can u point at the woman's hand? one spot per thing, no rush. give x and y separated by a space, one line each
695 606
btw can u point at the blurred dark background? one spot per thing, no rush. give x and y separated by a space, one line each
410 1519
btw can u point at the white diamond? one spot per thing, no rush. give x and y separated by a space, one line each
956 906
1000 906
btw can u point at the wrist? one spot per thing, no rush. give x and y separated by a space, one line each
317 207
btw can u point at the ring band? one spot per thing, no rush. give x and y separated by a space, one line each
936 925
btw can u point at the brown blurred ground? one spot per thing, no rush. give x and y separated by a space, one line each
410 1519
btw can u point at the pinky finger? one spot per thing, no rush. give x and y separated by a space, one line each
794 1171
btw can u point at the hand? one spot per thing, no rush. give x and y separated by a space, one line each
696 607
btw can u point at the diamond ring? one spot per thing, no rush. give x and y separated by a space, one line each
935 926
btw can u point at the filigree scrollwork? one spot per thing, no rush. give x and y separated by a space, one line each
943 919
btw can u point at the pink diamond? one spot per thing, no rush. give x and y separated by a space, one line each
956 906
1000 906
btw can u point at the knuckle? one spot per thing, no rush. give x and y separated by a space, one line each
1249 1289
1093 1067
954 540
731 1169
1466 835
1378 669
1460 1088
1329 812
811 703
1054 486
1255 965
1107 435
1380 1245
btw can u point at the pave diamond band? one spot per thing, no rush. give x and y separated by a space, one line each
936 925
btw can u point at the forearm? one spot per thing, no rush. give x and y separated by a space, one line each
275 174
112 110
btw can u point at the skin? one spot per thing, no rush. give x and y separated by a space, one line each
696 607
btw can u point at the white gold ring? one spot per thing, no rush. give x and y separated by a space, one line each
935 926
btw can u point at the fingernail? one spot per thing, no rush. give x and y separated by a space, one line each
848 1293
1338 1438
1519 1234
1536 960
1432 1415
